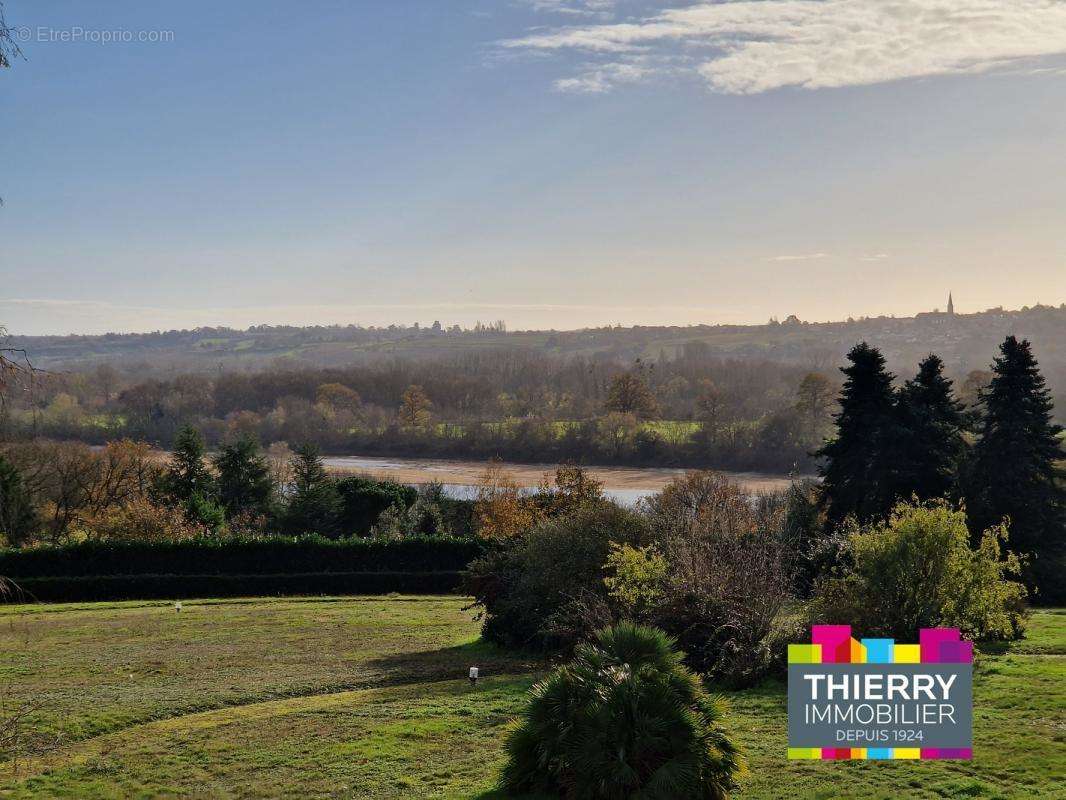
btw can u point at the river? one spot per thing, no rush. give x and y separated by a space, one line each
461 478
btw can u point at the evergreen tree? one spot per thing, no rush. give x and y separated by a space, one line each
857 472
187 482
315 505
186 473
1014 466
244 480
18 516
931 447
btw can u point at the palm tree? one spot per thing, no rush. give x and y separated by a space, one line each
624 719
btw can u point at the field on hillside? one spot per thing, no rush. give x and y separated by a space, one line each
367 697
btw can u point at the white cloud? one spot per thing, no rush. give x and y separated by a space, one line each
577 8
751 46
800 257
604 78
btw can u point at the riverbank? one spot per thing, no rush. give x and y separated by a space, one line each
470 473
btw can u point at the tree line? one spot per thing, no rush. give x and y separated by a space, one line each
689 410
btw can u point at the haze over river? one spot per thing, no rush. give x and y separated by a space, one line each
461 478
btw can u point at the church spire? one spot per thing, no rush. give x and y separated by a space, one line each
951 304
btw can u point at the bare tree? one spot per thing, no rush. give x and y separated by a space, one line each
9 49
17 372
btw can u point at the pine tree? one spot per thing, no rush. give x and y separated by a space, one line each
1014 466
244 480
931 448
186 474
857 474
315 505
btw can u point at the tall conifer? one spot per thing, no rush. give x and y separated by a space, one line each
930 452
186 473
857 471
315 505
1014 471
244 481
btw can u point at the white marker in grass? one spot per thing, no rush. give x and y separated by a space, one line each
473 676
177 606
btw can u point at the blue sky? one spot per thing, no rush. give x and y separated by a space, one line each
553 163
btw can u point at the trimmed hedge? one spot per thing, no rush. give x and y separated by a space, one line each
176 587
270 556
239 567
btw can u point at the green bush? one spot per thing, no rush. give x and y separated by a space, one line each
544 588
624 719
918 570
363 500
639 577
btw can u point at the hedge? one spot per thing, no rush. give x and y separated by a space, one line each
176 587
239 567
271 556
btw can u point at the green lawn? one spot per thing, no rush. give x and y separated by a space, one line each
367 697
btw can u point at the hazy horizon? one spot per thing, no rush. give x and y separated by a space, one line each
322 317
553 163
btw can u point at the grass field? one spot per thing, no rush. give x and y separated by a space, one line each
367 697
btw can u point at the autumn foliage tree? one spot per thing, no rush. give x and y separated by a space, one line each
629 394
501 509
73 485
415 407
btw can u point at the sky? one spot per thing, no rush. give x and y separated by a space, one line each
551 163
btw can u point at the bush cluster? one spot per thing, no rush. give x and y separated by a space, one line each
918 570
730 577
543 589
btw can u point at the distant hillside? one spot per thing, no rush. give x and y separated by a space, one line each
965 341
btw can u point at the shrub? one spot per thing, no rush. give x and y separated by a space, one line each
729 574
545 587
502 509
143 520
624 719
918 570
363 500
639 577
433 514
818 546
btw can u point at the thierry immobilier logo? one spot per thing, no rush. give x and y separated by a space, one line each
876 699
